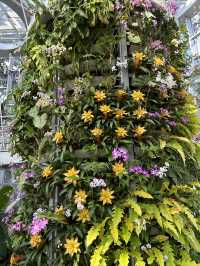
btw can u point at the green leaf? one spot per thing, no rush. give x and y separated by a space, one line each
96 257
142 194
5 193
192 240
40 121
159 257
134 38
33 112
171 228
140 263
93 234
116 219
135 206
174 145
124 258
125 233
191 218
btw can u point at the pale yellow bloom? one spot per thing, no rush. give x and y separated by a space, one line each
14 259
35 241
140 112
105 109
137 96
97 132
84 215
100 96
71 176
80 196
120 94
72 246
87 116
60 211
138 57
120 114
58 137
47 171
118 168
183 93
172 69
139 131
106 196
121 132
158 61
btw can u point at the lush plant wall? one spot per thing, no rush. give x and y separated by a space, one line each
110 171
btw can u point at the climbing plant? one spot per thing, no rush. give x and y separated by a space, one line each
110 169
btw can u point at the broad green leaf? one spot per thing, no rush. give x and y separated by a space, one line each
124 258
40 121
134 38
33 112
142 194
135 206
96 258
116 219
140 263
169 226
93 234
174 145
159 257
125 233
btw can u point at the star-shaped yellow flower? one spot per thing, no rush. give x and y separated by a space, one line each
72 246
140 112
120 94
71 176
118 168
60 211
121 132
158 61
137 96
106 196
183 93
105 109
36 241
15 259
47 171
80 196
138 57
58 137
172 70
100 96
84 215
120 114
97 132
87 116
139 131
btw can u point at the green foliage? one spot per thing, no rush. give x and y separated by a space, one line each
72 111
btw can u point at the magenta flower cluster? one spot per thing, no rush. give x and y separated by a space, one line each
139 170
17 227
120 154
28 175
172 7
154 171
147 3
38 225
162 112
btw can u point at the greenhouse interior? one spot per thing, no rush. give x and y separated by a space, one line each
100 132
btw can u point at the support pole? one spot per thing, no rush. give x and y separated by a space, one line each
123 58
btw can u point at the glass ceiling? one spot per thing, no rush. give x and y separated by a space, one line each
12 28
14 19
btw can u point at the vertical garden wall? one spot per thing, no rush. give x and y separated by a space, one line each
110 166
